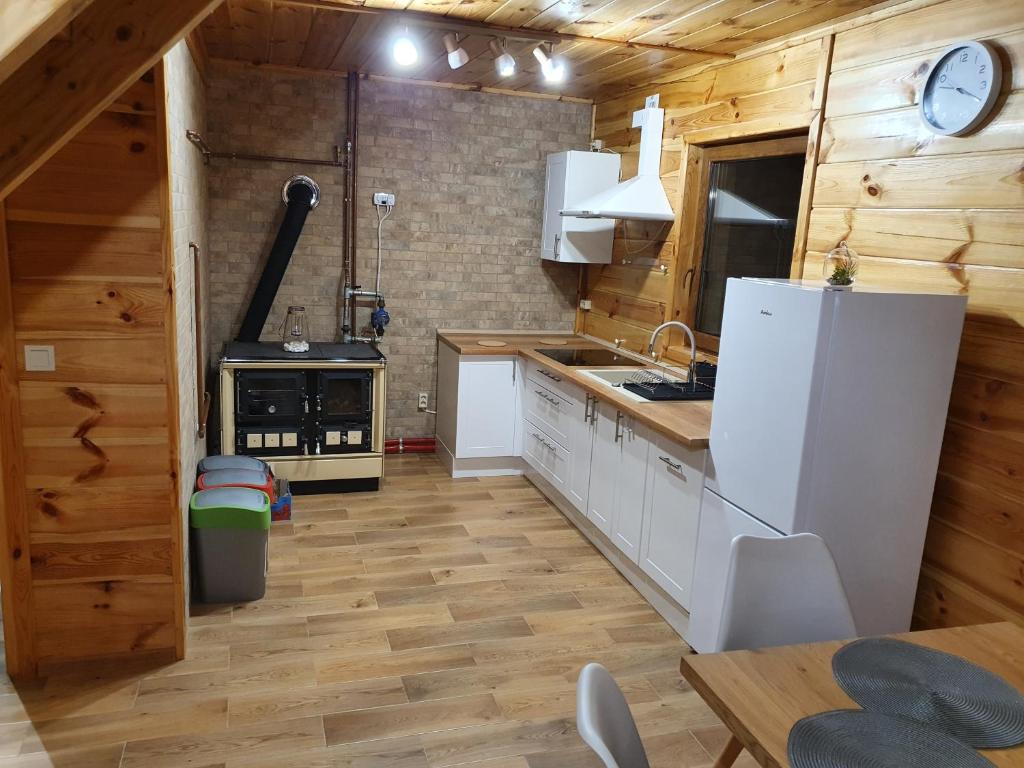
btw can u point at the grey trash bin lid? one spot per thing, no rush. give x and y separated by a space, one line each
251 477
212 463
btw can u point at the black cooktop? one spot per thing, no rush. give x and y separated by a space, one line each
589 357
248 352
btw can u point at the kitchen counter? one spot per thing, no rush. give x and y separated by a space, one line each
467 343
688 423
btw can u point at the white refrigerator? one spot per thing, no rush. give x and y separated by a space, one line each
828 418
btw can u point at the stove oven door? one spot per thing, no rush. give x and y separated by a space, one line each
344 409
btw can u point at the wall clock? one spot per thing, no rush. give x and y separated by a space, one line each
961 88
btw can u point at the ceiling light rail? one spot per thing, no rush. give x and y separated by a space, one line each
470 26
200 143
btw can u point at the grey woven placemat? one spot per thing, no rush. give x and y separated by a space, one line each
853 738
944 692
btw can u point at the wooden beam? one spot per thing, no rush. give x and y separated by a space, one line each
469 26
15 563
62 87
28 25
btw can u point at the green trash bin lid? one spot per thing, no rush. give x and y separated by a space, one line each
230 507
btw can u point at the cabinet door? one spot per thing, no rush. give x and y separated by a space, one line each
604 470
488 408
627 522
554 198
581 444
671 517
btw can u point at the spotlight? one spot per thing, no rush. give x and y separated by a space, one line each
404 51
457 55
503 61
554 69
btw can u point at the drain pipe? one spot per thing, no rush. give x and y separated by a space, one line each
348 310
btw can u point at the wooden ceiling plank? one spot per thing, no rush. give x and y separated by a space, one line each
651 18
746 20
61 88
251 21
327 34
478 10
515 13
216 32
289 31
620 12
566 13
28 25
360 44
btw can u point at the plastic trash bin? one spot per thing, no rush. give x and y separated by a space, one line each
230 528
241 478
211 463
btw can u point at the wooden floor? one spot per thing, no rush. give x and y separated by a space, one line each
439 622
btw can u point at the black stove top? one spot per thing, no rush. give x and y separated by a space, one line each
589 357
247 352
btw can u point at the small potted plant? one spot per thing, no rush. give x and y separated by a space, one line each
840 267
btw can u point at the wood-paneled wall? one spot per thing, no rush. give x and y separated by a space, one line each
88 270
922 210
769 95
931 211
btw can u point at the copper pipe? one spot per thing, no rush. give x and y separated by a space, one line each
209 154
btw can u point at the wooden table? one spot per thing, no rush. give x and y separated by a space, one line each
759 695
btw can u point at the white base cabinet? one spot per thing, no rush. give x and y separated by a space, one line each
675 476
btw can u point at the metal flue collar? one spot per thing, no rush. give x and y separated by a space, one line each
305 180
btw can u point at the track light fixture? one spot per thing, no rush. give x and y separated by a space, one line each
404 50
554 69
457 55
503 61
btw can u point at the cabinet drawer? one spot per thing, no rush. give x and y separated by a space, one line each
545 377
545 455
549 410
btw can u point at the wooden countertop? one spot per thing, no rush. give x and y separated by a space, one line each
469 343
688 423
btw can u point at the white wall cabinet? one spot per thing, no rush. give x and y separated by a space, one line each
671 514
572 177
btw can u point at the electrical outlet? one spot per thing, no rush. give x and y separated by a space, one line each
383 198
586 304
421 402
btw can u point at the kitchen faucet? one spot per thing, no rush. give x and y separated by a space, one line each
692 368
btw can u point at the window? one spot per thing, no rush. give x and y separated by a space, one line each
750 196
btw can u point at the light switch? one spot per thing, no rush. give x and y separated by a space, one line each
271 440
40 358
254 440
333 438
289 440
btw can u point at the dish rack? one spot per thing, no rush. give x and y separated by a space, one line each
654 384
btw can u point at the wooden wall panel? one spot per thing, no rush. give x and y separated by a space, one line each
924 211
90 275
770 94
946 213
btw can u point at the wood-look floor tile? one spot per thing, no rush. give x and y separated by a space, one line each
384 617
405 752
410 719
621 594
421 533
265 740
219 634
260 675
333 586
395 664
499 740
458 633
382 565
565 582
319 700
333 646
476 543
498 571
547 622
440 593
513 605
106 756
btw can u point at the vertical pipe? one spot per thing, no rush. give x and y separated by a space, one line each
353 132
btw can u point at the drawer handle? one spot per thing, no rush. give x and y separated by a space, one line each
550 375
618 426
671 464
544 442
547 397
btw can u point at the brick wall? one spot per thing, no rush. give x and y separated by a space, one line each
186 109
460 250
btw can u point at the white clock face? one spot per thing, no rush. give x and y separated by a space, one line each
961 89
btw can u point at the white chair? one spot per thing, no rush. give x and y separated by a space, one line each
781 591
605 722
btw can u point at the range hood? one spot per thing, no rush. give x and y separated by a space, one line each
642 197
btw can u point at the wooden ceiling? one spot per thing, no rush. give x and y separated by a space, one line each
322 35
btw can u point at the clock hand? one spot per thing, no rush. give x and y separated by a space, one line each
959 90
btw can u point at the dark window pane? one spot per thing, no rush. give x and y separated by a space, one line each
751 223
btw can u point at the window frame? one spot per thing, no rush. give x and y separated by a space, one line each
696 186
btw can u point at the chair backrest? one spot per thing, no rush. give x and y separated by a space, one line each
605 722
782 591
